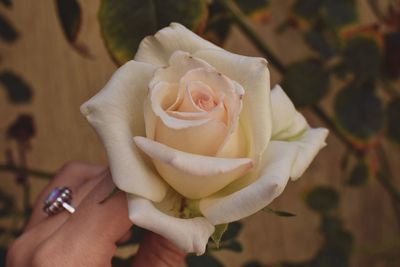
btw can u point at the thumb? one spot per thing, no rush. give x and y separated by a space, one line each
156 251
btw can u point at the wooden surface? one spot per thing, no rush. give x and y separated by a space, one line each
63 80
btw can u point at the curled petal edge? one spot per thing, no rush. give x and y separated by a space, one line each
278 160
194 176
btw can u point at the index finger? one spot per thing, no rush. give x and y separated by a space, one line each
71 175
89 235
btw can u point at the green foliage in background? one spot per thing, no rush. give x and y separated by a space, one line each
18 90
125 23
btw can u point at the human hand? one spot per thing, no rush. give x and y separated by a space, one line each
87 237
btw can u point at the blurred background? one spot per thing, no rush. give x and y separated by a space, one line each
339 61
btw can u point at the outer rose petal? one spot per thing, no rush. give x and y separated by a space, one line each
116 113
158 49
193 176
191 235
253 75
309 144
179 63
286 121
289 124
223 207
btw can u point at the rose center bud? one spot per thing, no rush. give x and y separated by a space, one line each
203 100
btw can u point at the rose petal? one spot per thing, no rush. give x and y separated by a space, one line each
235 145
191 235
162 95
193 176
253 75
225 207
202 140
290 125
158 49
185 135
150 119
218 114
116 114
188 103
221 85
298 126
286 121
309 144
179 63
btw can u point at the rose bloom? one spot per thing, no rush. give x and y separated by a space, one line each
195 136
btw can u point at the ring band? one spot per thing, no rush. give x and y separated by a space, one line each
58 200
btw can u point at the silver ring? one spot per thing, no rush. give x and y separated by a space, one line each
58 200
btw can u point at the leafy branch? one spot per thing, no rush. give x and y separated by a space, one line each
31 172
384 177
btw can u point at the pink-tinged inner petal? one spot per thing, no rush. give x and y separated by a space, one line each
203 99
196 94
161 97
199 114
222 88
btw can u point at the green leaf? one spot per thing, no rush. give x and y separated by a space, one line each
69 13
359 112
18 90
232 246
392 55
306 82
3 255
136 236
319 43
345 160
125 23
70 16
339 13
253 6
278 212
393 120
205 260
232 232
335 234
7 204
218 25
362 57
359 174
256 10
7 3
7 31
322 199
22 129
329 256
307 8
338 245
218 233
120 262
253 264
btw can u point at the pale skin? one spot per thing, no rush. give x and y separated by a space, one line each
89 236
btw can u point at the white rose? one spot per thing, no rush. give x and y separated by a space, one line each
188 120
